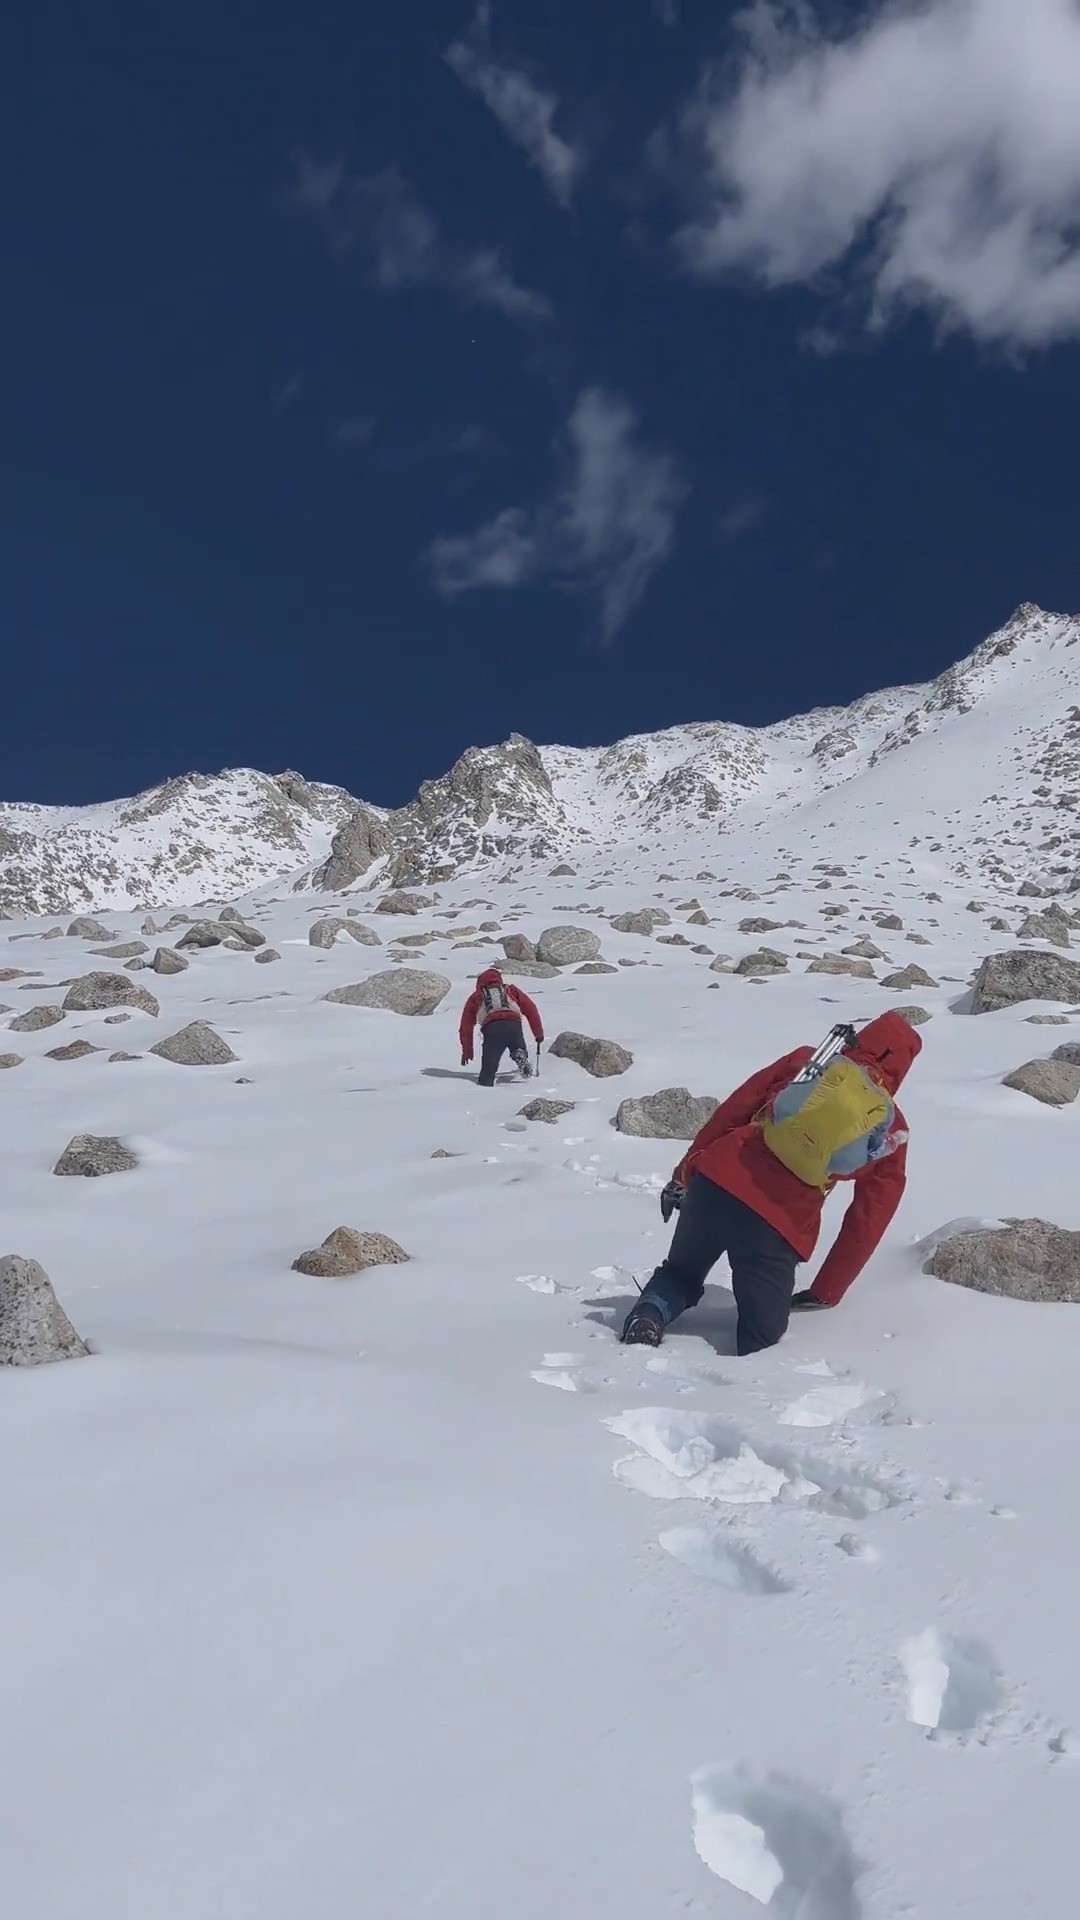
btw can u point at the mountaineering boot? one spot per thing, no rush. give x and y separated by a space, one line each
644 1326
522 1063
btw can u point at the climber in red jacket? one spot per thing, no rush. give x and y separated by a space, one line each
735 1196
497 1009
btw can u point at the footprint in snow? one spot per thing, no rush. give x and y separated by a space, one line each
683 1455
726 1562
540 1283
564 1370
828 1405
952 1684
778 1840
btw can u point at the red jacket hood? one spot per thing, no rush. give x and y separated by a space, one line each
493 978
890 1047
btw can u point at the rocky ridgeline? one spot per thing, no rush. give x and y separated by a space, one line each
522 805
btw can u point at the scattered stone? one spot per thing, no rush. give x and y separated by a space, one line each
758 925
1053 1082
1006 979
907 977
1029 891
567 946
54 933
562 872
1052 926
91 1155
97 991
889 922
722 964
917 940
443 1153
534 970
672 1114
196 1045
1023 1260
346 1251
672 940
1047 1020
410 903
601 1058
10 1060
699 919
231 914
517 946
35 1018
204 933
77 1050
18 973
242 935
915 1016
150 926
547 1111
122 1056
167 960
757 966
596 966
89 930
265 955
127 950
645 921
34 1329
405 992
865 950
1069 1052
115 1019
323 933
840 963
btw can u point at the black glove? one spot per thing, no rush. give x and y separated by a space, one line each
807 1302
671 1200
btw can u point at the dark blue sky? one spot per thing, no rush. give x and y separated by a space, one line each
238 416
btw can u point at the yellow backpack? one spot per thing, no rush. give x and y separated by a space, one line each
828 1124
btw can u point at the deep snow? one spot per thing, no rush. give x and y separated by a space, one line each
415 1595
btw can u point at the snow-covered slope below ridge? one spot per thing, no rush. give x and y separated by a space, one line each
981 767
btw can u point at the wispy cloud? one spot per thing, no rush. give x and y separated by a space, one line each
605 530
525 110
378 217
667 11
932 151
743 519
359 430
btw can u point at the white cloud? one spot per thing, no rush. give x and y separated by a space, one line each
524 110
745 517
379 216
604 532
667 11
933 150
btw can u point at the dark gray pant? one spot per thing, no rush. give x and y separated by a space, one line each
499 1037
712 1222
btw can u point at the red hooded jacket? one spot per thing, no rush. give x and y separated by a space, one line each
730 1151
521 1005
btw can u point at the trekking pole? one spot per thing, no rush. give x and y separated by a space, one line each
834 1043
539 1044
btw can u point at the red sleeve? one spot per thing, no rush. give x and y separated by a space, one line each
878 1193
531 1012
740 1107
467 1028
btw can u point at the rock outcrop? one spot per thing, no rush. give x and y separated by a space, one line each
404 991
346 1251
1022 1260
1007 979
602 1058
196 1045
672 1114
34 1329
91 1155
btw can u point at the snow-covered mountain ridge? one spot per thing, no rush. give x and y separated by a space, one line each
982 765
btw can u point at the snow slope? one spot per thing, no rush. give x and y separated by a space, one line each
415 1595
985 761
